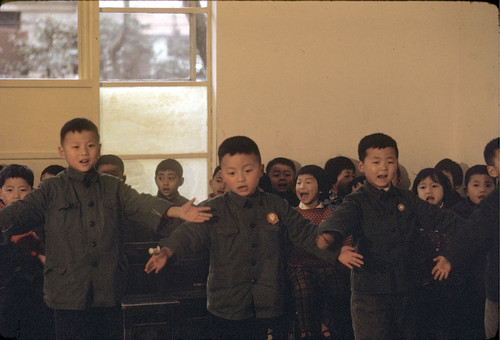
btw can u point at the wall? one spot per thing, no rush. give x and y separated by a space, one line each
308 79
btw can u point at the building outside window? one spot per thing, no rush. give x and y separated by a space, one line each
154 75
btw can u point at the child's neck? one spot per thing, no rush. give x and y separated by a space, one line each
305 206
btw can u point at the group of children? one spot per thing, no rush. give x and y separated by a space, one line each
350 256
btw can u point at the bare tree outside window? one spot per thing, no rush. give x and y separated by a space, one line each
39 40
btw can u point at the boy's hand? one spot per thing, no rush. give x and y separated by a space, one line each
324 240
441 269
190 213
349 258
157 262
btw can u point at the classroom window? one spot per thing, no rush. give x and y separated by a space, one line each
39 40
154 85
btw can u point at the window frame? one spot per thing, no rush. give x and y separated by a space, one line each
85 50
175 83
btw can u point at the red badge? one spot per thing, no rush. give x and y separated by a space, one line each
272 218
401 207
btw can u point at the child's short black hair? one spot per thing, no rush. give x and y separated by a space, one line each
238 144
17 171
280 160
110 159
217 169
78 125
479 169
453 168
169 164
490 151
52 170
321 177
334 166
378 141
436 176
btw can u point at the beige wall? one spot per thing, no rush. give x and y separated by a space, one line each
307 80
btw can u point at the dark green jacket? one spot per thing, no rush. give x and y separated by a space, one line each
83 218
246 239
384 228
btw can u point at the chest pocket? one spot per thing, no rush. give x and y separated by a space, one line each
226 243
62 217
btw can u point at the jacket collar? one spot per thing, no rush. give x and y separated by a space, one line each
86 178
246 202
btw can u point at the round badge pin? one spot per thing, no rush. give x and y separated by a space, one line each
401 207
272 218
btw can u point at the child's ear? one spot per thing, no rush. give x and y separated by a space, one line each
181 182
492 171
61 152
261 170
361 166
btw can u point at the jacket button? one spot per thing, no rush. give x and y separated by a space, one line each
252 225
91 204
93 244
92 223
94 264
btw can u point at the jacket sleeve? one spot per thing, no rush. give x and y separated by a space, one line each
302 233
21 216
142 209
344 221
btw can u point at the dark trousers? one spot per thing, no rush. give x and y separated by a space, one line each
248 329
92 323
383 316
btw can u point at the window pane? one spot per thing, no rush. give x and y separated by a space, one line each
153 4
39 39
141 173
154 120
144 46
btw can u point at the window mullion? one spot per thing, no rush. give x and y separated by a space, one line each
192 47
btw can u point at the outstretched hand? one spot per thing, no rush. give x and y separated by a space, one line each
324 240
442 268
191 213
157 262
349 258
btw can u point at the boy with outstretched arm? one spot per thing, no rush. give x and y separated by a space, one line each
246 239
383 221
83 213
